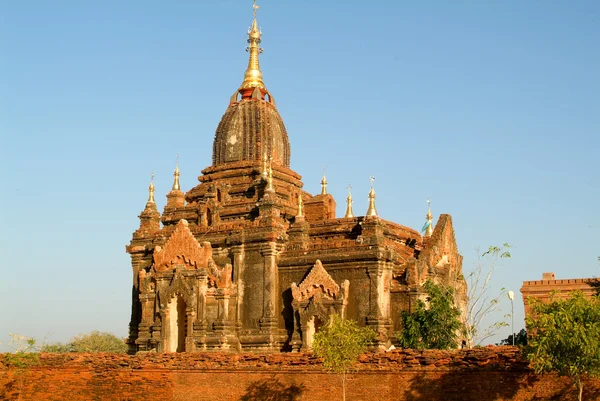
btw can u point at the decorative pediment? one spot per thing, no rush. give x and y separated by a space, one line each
317 281
182 249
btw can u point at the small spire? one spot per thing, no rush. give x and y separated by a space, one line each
253 76
265 170
300 206
324 183
349 212
176 186
372 211
270 177
151 189
428 226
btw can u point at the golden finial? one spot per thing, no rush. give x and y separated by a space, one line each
349 212
324 183
372 211
428 226
270 177
176 186
253 76
300 206
151 189
265 172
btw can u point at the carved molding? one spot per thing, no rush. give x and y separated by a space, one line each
317 279
182 249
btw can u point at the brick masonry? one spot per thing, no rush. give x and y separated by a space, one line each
491 373
549 286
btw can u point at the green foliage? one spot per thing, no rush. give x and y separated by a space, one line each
479 303
341 343
565 337
94 341
56 347
520 339
24 352
432 326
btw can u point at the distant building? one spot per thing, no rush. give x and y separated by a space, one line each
542 289
248 260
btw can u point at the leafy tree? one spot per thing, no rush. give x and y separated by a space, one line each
94 341
340 343
480 304
565 337
432 325
520 338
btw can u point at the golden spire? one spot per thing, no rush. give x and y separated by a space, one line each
270 177
372 211
265 172
324 183
300 205
349 212
253 76
428 227
151 189
176 186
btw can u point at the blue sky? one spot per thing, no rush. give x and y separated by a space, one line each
489 108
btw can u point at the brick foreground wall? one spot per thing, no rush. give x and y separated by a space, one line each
484 374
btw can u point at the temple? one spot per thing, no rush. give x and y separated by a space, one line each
249 261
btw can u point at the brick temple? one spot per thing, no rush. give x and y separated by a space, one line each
249 261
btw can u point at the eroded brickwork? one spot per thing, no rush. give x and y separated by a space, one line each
493 373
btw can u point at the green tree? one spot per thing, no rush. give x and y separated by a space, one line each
434 324
479 303
565 337
520 338
94 341
340 343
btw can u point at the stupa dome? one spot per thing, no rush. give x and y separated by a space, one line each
250 129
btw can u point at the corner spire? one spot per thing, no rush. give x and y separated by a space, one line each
324 183
176 174
270 177
428 226
253 76
349 212
372 211
300 205
265 171
151 189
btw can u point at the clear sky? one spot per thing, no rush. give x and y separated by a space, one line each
492 109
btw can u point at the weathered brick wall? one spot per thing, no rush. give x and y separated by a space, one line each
494 373
547 287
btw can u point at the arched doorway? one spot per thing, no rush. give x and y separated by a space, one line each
177 325
312 327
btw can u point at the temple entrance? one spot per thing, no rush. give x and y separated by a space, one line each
312 327
177 325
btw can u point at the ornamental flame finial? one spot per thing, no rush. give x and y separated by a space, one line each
349 212
151 189
324 183
176 174
428 226
300 205
372 211
270 177
253 76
